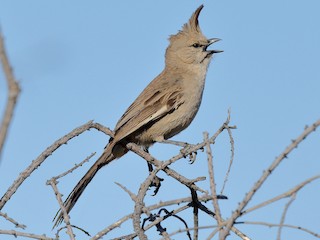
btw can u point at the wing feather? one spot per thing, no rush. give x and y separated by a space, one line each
151 105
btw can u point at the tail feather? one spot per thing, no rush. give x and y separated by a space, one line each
71 200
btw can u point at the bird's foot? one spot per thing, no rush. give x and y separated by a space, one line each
191 155
156 182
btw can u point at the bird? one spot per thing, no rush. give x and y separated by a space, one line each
165 107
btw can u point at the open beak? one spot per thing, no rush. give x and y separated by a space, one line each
211 41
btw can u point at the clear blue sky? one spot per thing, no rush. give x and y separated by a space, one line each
83 60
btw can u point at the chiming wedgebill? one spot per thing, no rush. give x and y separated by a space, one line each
165 107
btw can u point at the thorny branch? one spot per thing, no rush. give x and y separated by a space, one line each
44 155
66 217
138 199
17 225
238 212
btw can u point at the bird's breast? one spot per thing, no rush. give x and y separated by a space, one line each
181 117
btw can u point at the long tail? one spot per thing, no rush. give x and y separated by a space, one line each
71 200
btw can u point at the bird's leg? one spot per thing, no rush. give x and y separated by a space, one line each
156 182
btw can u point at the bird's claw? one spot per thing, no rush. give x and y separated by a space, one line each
192 155
156 182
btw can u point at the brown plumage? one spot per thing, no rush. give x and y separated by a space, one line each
165 107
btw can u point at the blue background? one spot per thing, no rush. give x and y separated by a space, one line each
80 60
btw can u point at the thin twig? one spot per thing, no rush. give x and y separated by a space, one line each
66 217
44 155
284 225
283 217
212 181
232 155
203 198
74 226
170 172
195 202
283 195
111 227
233 228
13 93
161 204
126 237
17 225
213 233
139 204
131 194
23 234
190 229
75 167
160 219
265 175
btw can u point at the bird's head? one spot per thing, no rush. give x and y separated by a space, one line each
189 45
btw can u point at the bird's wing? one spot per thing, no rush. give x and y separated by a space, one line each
151 105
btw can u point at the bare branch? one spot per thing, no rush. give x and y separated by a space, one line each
74 168
233 228
160 219
285 210
212 181
265 175
195 202
23 234
131 194
283 195
159 164
139 204
161 204
44 155
66 217
111 227
18 225
232 155
284 225
213 233
13 93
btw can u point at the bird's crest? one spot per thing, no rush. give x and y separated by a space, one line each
191 28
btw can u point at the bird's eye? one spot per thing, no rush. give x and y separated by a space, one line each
196 45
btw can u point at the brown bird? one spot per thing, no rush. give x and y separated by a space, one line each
165 107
